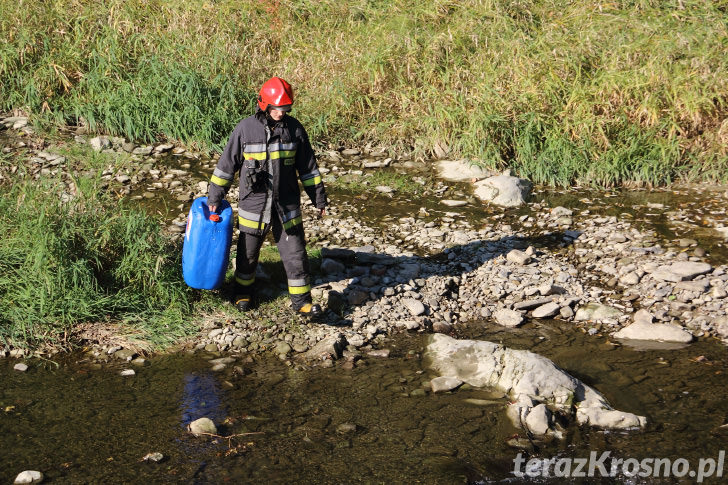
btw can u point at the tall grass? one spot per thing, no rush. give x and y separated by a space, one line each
84 260
560 90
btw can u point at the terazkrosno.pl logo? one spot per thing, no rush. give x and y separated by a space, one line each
602 465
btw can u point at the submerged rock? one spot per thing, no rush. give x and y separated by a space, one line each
202 426
445 383
527 377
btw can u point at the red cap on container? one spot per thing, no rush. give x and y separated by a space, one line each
214 218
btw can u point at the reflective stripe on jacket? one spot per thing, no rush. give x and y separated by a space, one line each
284 152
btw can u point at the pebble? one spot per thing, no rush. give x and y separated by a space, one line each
20 367
202 426
155 457
128 372
28 476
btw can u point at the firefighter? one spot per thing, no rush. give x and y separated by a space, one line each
268 149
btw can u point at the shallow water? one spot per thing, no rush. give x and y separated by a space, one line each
79 425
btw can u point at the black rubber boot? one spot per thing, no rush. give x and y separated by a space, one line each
243 302
310 310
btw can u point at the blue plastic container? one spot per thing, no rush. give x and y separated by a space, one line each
206 249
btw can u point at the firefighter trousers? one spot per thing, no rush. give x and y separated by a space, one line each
292 248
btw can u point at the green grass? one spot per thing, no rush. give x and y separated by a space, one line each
562 91
89 259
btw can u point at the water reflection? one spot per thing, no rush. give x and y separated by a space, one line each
202 398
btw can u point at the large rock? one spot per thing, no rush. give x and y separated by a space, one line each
331 266
526 377
681 271
644 329
503 190
546 311
330 347
596 311
460 170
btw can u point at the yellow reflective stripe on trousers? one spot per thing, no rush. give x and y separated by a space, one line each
221 182
299 290
312 181
248 223
293 222
245 282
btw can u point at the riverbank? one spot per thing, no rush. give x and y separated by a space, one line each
388 260
561 92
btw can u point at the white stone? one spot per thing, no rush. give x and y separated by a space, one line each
503 190
454 203
99 143
546 311
596 311
415 307
460 170
128 372
20 367
537 420
445 383
508 318
28 476
523 373
202 426
518 257
660 332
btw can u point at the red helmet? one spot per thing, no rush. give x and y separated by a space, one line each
276 93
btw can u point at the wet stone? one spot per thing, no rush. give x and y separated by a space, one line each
28 476
445 383
155 457
202 426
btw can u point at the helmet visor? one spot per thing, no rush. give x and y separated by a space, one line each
286 107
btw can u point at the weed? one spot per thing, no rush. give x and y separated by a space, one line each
562 91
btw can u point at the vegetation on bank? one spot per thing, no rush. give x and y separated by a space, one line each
67 260
561 91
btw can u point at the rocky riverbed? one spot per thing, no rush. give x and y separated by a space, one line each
391 264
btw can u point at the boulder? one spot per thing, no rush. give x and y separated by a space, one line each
660 332
331 266
460 170
524 376
503 190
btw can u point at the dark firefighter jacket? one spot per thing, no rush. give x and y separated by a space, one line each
279 151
